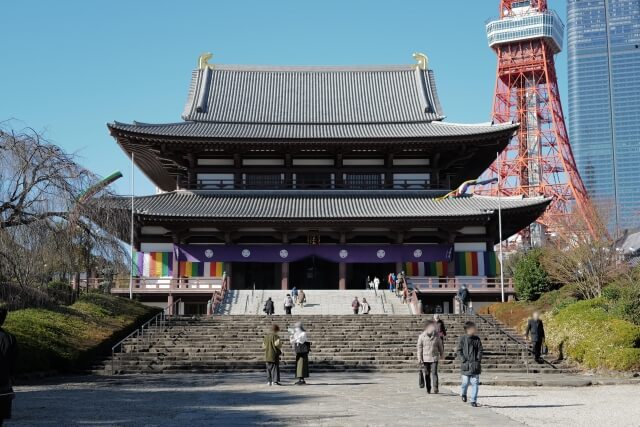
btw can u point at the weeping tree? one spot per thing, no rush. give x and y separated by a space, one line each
581 251
47 227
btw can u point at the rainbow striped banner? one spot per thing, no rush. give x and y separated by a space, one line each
201 269
434 269
476 264
153 264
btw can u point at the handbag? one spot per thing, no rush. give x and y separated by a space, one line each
303 348
420 379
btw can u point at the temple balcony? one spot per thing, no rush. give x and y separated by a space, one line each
322 184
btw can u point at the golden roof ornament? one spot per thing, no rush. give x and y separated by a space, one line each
423 61
203 61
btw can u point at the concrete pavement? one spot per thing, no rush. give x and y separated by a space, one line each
336 399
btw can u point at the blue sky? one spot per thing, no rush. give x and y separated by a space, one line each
71 66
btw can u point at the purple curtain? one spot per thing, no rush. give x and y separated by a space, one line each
333 253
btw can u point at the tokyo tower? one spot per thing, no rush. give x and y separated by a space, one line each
538 160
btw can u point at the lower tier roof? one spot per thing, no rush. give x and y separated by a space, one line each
331 206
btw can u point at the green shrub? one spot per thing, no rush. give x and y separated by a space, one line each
531 279
586 332
68 337
623 298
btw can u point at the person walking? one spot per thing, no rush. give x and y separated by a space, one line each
441 330
405 294
376 283
355 305
8 354
269 307
272 345
391 279
400 283
463 296
288 304
366 308
302 346
469 351
535 333
294 293
302 298
430 350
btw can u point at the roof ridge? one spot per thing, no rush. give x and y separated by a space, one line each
313 68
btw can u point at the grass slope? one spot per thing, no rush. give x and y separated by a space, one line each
67 338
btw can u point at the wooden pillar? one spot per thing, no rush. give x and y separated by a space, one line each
227 265
175 273
170 304
451 269
399 241
288 176
388 177
342 267
339 179
284 276
342 276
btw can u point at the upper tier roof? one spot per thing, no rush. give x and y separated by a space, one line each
203 130
231 108
312 95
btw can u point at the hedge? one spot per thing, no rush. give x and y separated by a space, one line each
586 332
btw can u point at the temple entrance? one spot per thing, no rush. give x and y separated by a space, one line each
313 273
262 275
357 274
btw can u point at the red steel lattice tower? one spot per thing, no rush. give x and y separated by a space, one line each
538 160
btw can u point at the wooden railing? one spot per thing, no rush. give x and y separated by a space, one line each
452 284
161 285
218 297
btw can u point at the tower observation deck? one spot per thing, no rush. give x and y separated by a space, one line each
525 22
539 160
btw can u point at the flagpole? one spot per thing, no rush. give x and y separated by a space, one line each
500 226
132 226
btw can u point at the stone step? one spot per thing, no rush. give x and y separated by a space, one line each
354 343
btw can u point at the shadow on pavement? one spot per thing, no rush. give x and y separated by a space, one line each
153 401
528 406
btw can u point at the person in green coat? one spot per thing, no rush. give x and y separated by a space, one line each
271 345
301 345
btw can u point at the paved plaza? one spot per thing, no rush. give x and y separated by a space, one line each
328 400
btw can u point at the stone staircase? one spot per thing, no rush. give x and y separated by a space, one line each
319 302
340 343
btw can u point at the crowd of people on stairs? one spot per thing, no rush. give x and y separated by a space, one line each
429 350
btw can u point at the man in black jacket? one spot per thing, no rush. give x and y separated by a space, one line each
463 297
269 307
535 332
469 351
8 350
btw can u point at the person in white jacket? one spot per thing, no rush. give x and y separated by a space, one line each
301 345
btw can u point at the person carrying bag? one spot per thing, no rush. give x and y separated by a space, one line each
302 346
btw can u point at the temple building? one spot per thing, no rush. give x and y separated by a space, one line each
315 177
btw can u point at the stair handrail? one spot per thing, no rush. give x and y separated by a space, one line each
384 310
393 310
218 297
522 345
261 303
159 319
